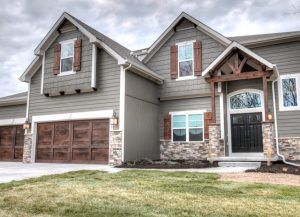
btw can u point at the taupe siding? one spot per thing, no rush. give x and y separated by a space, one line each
106 97
203 103
160 63
14 111
141 118
287 58
53 84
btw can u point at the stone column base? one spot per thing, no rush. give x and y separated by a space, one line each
216 147
27 148
268 140
115 147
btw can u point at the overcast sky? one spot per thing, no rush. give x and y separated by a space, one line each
133 23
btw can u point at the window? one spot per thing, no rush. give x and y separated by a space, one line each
289 92
245 100
185 60
67 57
187 126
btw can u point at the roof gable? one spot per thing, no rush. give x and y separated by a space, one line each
184 20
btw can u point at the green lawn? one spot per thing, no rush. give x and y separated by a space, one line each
144 193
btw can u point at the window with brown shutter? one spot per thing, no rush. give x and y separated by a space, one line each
197 58
207 122
56 61
167 127
174 61
77 55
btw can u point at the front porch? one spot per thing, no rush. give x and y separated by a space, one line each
243 81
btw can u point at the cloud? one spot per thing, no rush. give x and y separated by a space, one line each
135 24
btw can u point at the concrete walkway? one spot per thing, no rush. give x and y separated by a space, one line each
10 171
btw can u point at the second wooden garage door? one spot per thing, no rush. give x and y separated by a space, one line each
73 142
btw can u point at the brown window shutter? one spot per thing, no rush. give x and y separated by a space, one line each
207 121
198 58
77 55
174 62
56 61
167 127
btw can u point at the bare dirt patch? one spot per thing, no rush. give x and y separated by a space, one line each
272 178
277 167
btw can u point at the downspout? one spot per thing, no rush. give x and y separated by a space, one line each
275 121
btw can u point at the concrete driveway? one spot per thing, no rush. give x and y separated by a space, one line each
10 171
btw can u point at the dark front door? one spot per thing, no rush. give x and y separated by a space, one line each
246 132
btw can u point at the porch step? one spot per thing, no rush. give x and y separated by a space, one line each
240 164
239 159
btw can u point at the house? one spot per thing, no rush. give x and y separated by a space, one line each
194 94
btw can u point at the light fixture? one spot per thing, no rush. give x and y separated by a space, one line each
114 119
26 125
270 117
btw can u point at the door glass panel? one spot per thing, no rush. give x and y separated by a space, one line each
254 118
245 100
237 119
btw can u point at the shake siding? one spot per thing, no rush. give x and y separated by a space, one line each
81 80
141 118
14 111
186 104
287 58
106 97
160 63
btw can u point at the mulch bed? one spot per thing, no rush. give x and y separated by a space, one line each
277 167
149 164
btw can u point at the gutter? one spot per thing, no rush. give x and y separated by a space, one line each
275 120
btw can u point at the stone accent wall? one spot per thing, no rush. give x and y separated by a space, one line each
27 148
216 146
268 140
290 147
115 147
183 150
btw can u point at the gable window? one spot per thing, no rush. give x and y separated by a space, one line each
289 92
187 126
67 57
185 60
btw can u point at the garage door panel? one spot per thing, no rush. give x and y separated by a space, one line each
11 143
18 153
100 154
62 134
75 141
5 153
44 154
61 154
81 154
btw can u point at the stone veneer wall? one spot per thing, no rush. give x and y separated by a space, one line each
115 147
183 150
216 145
289 147
27 148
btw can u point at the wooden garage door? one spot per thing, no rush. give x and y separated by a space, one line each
73 142
11 143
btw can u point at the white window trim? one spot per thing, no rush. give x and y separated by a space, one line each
281 106
192 59
61 44
13 121
187 113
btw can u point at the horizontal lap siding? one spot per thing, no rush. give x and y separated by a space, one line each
287 58
81 80
141 118
160 63
15 111
203 103
106 97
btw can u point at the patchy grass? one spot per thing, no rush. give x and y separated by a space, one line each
144 193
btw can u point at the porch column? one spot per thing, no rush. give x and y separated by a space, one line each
213 101
27 158
266 102
268 141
